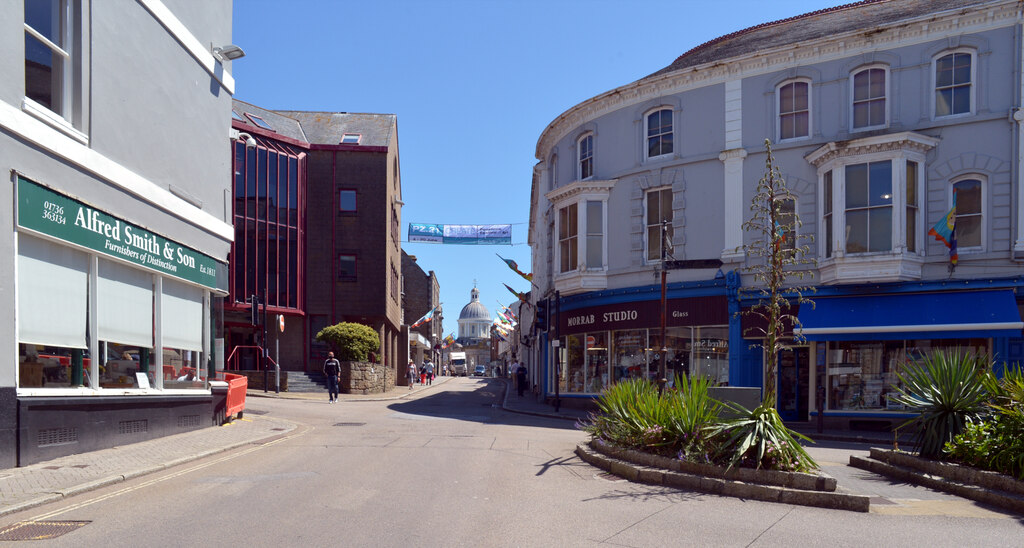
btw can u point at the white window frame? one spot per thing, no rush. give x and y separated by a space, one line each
580 159
779 113
888 86
899 158
559 239
672 132
647 222
64 118
579 193
973 84
984 210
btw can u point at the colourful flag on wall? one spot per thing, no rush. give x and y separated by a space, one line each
447 341
515 267
945 232
520 296
429 316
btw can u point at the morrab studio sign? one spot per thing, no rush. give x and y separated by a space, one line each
694 311
59 216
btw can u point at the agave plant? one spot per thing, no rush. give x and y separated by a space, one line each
947 389
759 438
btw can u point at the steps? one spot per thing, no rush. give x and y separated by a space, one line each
299 381
985 487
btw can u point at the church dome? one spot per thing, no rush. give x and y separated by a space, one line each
475 310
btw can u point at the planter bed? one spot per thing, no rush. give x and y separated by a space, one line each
765 485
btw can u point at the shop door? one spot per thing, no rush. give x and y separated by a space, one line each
793 383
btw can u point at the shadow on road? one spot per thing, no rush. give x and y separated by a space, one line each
482 404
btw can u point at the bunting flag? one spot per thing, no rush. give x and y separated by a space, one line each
447 341
426 318
945 232
515 268
520 296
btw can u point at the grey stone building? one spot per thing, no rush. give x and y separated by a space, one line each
113 123
880 113
421 294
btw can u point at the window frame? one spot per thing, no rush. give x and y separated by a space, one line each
355 197
70 117
355 267
585 171
648 225
983 213
779 114
670 133
972 84
567 262
885 97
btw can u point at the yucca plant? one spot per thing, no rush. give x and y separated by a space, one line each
632 414
691 412
947 389
759 439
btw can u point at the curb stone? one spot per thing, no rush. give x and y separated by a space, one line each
718 486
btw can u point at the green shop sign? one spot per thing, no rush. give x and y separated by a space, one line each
45 211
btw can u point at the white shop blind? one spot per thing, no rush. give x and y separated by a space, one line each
125 305
181 316
53 289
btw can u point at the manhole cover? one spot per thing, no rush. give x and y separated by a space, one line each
39 530
349 424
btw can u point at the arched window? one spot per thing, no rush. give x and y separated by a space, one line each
794 107
585 148
658 126
870 88
954 74
970 223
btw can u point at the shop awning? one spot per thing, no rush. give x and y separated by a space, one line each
943 315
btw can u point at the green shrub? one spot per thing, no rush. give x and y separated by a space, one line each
947 389
997 443
631 415
757 438
350 341
691 412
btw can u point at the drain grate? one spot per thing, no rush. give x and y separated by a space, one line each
39 530
350 424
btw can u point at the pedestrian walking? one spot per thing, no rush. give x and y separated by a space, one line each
423 374
411 374
430 372
520 378
332 371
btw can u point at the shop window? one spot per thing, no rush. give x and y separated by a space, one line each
659 132
863 375
629 354
794 110
869 98
568 225
181 318
969 218
659 210
711 354
953 89
585 148
595 376
52 65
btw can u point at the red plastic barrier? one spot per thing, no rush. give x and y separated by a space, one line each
237 385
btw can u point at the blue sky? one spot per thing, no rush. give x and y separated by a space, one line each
473 83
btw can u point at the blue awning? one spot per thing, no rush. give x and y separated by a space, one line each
941 315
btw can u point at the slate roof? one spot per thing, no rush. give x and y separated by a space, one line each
327 128
288 127
867 14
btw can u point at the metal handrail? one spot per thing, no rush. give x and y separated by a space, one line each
261 353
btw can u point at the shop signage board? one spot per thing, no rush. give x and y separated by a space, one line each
708 310
56 215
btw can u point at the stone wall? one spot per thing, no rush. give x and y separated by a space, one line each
366 378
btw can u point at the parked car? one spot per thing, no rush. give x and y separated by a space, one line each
481 371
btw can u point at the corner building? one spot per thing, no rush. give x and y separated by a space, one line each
117 235
879 113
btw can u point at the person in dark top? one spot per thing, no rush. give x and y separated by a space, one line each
332 371
520 379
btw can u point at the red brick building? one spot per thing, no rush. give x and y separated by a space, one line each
345 262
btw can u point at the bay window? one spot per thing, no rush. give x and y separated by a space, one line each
581 225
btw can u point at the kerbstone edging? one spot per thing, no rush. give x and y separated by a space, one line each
1013 502
793 480
952 471
719 486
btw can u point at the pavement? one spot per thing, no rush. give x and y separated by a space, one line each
29 486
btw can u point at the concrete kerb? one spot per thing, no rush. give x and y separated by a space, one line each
620 466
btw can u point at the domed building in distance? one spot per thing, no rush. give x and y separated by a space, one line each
474 320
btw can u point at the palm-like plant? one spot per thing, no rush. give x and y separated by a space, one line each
947 389
691 412
759 438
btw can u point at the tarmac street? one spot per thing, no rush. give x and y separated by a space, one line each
458 463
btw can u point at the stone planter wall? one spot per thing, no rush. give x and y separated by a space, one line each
366 378
256 379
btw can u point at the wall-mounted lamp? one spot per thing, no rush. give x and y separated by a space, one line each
229 52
